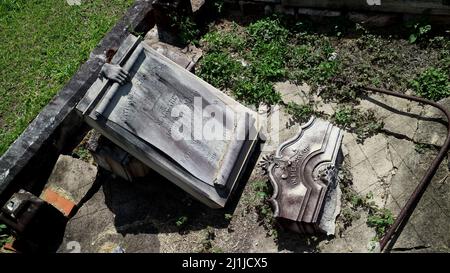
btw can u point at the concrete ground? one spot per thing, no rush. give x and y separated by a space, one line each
147 215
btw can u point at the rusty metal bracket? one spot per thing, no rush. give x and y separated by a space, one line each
415 197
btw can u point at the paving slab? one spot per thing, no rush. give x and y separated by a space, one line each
432 129
363 176
71 178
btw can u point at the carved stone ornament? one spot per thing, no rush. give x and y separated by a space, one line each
303 173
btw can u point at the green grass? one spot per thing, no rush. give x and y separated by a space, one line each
42 44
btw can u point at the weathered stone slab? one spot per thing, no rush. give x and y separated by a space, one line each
306 197
431 7
202 145
71 178
432 129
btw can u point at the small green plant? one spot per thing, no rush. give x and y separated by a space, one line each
300 113
344 116
83 153
5 236
421 148
433 84
207 245
380 220
419 31
218 5
187 29
228 216
262 206
182 221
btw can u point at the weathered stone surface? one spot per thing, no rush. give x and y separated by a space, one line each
205 161
185 57
416 7
121 216
319 12
293 93
377 20
72 178
432 129
303 174
359 238
364 176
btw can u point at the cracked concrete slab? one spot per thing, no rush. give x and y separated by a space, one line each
71 178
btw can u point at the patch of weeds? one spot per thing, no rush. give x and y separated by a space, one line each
207 245
217 41
219 69
421 148
228 216
347 217
280 48
267 61
188 30
363 123
254 92
312 61
433 84
348 212
300 113
82 153
182 221
5 236
262 205
380 220
267 30
344 116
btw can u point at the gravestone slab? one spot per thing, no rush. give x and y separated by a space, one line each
303 173
174 122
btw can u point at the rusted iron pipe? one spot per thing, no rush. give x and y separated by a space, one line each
411 204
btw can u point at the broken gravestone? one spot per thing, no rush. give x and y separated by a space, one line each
303 173
172 121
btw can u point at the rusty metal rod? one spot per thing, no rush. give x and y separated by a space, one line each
411 204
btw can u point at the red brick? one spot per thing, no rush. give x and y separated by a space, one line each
58 201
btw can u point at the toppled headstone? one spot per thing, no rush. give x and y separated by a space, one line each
174 122
303 173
